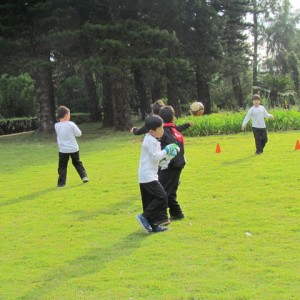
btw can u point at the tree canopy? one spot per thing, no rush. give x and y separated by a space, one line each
112 58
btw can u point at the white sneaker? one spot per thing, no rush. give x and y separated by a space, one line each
85 180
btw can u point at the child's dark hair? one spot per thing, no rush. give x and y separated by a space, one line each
156 106
153 122
62 111
167 114
256 97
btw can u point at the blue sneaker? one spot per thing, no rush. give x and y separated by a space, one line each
144 223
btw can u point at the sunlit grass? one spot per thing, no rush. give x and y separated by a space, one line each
240 238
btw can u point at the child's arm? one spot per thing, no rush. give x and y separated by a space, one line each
247 118
184 126
267 115
76 130
170 150
139 131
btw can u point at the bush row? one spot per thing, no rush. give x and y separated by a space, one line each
16 125
231 123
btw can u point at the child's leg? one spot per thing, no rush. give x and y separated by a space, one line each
264 137
62 168
146 197
169 179
258 140
155 203
78 164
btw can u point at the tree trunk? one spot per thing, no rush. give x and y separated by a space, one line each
255 47
172 90
94 107
121 105
237 91
140 86
108 118
158 88
273 97
44 98
203 91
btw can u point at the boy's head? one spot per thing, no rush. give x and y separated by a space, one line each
154 125
167 113
156 106
62 111
256 100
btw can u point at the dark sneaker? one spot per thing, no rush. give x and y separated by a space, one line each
144 223
162 222
177 217
60 185
85 180
160 229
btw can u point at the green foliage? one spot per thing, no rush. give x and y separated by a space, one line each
16 125
16 96
231 123
72 93
239 240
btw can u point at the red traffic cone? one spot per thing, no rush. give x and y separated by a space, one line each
218 148
297 146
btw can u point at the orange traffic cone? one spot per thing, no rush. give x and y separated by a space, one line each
218 148
297 146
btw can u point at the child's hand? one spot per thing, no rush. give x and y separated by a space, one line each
243 128
272 117
172 150
131 130
191 124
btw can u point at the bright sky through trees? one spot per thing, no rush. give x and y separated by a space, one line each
295 4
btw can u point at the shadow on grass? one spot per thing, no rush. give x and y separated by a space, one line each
238 161
94 261
113 209
28 197
33 196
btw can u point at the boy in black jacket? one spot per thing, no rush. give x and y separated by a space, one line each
169 172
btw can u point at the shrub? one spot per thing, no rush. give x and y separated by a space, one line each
231 123
16 96
16 125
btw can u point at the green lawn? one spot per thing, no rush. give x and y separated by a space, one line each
240 239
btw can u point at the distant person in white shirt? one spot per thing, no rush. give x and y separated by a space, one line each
66 132
257 113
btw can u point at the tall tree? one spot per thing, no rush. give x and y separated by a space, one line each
279 35
200 36
235 46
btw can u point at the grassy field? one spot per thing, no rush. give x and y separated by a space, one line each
240 239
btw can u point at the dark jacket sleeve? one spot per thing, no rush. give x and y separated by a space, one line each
183 127
140 131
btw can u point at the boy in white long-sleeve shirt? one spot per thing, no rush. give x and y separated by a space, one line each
154 197
66 132
257 113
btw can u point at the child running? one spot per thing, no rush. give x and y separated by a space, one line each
257 113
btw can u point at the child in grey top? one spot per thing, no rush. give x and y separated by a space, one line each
257 113
66 132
